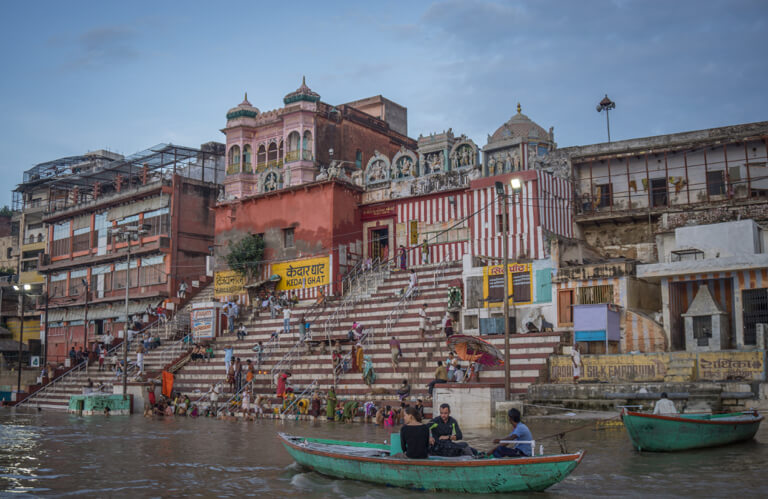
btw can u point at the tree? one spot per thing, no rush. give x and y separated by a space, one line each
245 255
5 211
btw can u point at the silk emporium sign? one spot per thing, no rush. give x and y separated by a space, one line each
303 274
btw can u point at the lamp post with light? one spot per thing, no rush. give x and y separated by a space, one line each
128 233
23 288
606 105
500 191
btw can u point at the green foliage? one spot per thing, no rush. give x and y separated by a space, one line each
245 256
5 211
7 271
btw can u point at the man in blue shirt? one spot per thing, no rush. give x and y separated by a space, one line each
519 432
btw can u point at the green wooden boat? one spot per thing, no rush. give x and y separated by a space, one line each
657 433
374 463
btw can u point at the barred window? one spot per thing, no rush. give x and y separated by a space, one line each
593 295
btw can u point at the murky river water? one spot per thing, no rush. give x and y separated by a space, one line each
58 454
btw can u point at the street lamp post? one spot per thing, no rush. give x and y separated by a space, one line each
85 324
128 233
606 105
515 184
23 288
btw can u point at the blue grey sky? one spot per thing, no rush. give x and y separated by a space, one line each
86 75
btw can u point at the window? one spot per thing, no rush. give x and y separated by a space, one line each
58 286
521 287
603 195
358 159
234 155
564 307
306 146
9 253
715 183
658 192
158 221
82 239
593 295
755 306
76 286
702 330
288 238
500 223
60 243
247 157
152 271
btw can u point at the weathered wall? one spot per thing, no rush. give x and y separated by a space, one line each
634 240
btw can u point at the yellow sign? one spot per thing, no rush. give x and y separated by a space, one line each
303 274
414 232
735 366
228 283
626 368
519 278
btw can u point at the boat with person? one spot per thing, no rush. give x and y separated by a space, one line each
669 433
384 464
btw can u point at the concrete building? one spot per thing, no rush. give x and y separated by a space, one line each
168 190
632 198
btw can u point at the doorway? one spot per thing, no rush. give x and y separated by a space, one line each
379 246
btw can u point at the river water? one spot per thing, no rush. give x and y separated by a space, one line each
45 454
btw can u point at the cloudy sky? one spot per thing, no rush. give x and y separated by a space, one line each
80 76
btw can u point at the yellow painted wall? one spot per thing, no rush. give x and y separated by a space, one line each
627 368
31 328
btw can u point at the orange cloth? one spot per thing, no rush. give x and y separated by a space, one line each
461 351
167 384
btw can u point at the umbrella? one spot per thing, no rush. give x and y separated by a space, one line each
474 349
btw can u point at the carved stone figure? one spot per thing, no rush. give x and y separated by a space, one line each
455 159
323 175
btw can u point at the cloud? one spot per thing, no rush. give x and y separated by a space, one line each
102 47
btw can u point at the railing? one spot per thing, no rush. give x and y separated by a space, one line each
207 395
299 397
236 394
440 272
175 350
291 156
285 362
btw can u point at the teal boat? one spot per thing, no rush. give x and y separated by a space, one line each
371 462
657 433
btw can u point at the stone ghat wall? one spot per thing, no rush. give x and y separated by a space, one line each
657 367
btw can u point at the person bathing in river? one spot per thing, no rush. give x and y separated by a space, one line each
519 432
414 436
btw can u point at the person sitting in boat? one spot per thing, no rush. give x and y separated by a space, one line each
519 432
445 435
414 436
664 405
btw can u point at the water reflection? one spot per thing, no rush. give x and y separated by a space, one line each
58 454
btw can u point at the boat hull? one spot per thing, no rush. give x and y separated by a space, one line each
656 433
475 476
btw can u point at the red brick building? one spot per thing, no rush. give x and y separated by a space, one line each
85 264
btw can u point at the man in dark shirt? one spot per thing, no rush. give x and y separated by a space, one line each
445 433
444 427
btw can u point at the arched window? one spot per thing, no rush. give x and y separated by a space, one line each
261 157
234 160
247 158
272 154
358 159
306 147
39 238
293 147
280 153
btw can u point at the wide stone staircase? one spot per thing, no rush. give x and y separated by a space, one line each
55 395
383 312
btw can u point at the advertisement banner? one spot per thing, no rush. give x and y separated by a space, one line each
202 323
228 283
303 274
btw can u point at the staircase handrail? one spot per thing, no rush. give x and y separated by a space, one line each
234 395
440 272
281 364
299 397
207 395
80 366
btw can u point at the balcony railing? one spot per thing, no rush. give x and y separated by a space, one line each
292 156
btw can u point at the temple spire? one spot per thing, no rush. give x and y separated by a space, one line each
519 109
